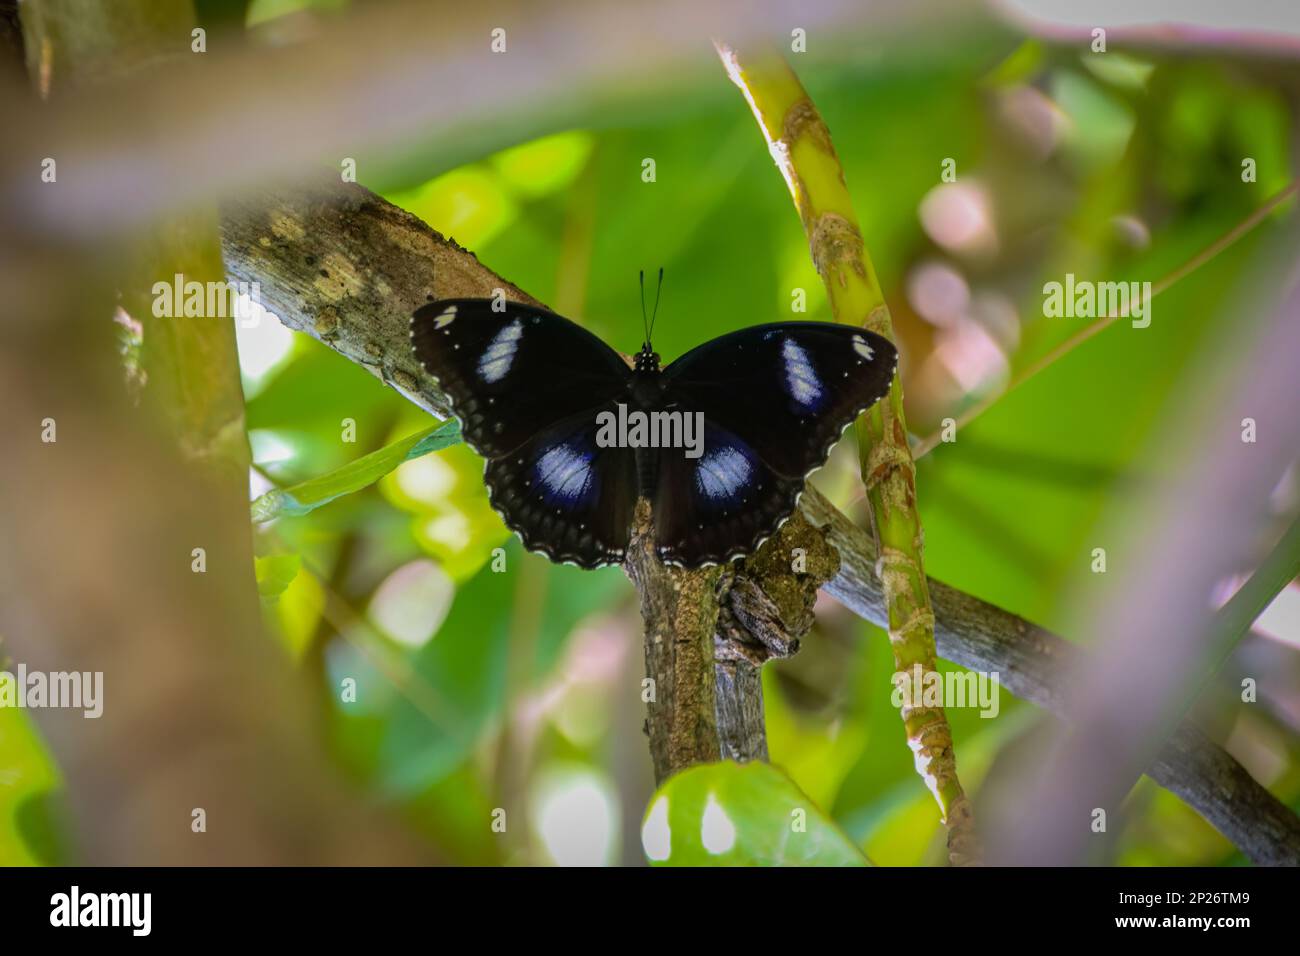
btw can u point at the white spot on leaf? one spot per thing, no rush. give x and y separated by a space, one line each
717 832
656 835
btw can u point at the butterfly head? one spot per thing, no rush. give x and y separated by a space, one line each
647 360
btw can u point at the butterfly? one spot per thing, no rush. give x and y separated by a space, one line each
552 409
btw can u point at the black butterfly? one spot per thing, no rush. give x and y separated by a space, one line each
528 387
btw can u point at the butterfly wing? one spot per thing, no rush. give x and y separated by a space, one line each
511 374
775 399
789 389
566 497
526 386
721 505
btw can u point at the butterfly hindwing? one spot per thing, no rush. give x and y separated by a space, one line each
566 497
787 389
710 509
510 374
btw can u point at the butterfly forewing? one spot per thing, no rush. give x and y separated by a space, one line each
511 373
775 398
787 389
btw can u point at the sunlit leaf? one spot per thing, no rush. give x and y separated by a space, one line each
470 204
543 165
1119 69
276 572
27 777
298 611
451 516
729 814
465 664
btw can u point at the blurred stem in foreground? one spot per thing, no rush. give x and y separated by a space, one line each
204 720
801 146
1252 598
190 365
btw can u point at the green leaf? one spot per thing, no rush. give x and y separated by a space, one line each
729 814
41 820
27 777
466 664
307 496
275 573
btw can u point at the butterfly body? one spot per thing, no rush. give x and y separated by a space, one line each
720 443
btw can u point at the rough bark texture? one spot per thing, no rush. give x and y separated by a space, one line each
765 606
680 611
326 253
969 631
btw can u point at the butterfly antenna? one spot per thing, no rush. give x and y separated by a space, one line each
645 325
655 314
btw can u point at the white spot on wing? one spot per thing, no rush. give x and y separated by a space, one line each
802 382
445 317
862 348
564 472
722 472
494 364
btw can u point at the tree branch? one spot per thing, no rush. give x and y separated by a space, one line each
398 261
1032 664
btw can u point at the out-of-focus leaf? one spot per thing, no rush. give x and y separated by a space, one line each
307 496
27 773
471 203
729 814
543 165
275 572
298 610
40 821
1119 69
464 664
1019 66
451 517
1101 123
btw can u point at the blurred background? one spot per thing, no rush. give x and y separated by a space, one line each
478 690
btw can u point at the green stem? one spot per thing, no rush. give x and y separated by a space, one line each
801 146
191 364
